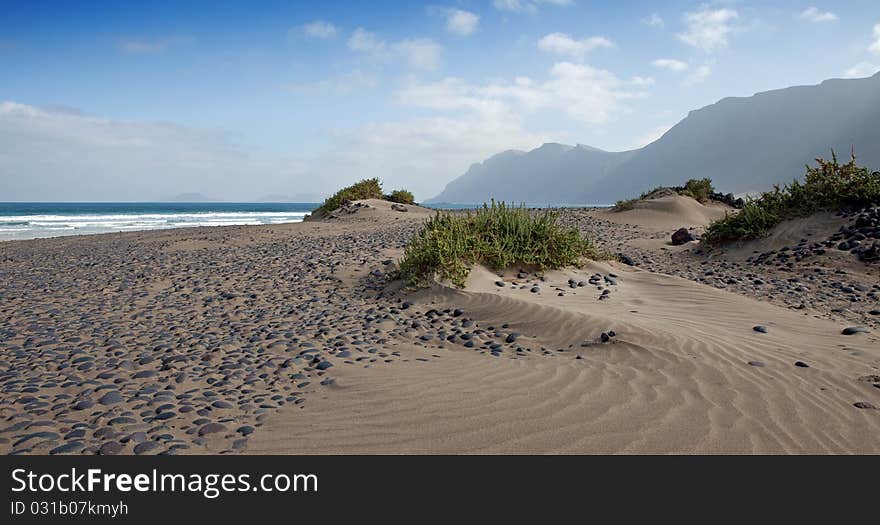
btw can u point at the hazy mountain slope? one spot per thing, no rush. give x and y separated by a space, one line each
748 144
743 144
545 175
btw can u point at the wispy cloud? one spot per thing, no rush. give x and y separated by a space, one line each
813 14
527 6
700 75
68 155
708 29
319 29
875 45
671 64
562 44
586 94
649 136
155 45
418 53
654 20
461 22
861 70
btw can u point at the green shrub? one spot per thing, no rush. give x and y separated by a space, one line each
498 236
365 189
829 186
700 190
401 197
624 205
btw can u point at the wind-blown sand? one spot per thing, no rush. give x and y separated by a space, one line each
177 321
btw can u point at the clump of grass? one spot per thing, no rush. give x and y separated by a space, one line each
829 186
701 190
697 189
365 189
628 204
497 235
624 205
401 197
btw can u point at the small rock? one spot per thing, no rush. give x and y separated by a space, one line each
211 428
681 236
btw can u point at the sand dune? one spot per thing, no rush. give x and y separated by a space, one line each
671 211
675 379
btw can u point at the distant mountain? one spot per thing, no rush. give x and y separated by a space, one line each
297 197
744 144
545 175
190 197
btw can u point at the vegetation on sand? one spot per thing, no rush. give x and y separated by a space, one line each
401 197
830 186
365 189
698 189
628 204
497 235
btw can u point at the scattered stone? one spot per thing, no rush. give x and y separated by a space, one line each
681 236
211 428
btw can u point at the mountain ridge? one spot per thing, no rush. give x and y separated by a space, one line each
744 144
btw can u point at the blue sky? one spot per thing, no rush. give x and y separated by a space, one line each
115 100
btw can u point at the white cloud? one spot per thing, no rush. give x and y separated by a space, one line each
654 20
671 64
875 45
50 154
861 70
319 29
418 53
562 44
157 45
814 15
585 94
700 75
516 6
649 136
708 29
461 22
365 41
527 6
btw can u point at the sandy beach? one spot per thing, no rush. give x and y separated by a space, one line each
294 339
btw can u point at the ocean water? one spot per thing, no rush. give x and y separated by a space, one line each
30 220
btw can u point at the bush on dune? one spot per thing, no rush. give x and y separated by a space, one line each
698 189
401 197
365 189
628 204
701 190
498 236
830 186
